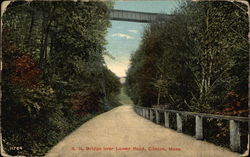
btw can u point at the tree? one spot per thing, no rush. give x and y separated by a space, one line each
197 52
53 62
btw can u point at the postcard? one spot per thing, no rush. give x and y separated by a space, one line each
124 78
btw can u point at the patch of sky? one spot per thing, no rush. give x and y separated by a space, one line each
124 37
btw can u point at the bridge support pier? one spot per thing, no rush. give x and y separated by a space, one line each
235 136
198 128
157 117
179 122
166 116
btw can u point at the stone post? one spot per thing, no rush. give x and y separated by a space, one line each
235 136
157 117
151 114
198 128
166 115
179 122
147 113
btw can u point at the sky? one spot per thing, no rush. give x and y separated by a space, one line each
124 37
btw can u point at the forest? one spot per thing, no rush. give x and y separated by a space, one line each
54 73
55 78
196 60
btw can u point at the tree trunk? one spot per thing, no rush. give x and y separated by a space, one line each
159 95
42 43
45 35
31 25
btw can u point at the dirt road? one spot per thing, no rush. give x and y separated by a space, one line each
122 133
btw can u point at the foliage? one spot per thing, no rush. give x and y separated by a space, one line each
123 97
197 56
54 77
26 71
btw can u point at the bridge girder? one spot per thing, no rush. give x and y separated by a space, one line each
134 16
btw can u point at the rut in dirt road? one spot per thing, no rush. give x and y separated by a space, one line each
122 133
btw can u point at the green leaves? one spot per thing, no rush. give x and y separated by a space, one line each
60 45
197 52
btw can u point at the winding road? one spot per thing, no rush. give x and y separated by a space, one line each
122 133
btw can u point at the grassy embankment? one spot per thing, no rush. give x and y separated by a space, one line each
123 97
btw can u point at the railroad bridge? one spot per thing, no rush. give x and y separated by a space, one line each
134 16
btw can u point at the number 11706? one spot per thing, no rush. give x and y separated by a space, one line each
16 148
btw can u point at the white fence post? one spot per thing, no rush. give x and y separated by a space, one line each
198 128
235 136
151 114
166 115
179 122
157 117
